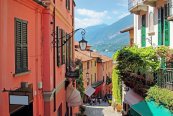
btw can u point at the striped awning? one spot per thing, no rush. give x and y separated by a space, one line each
89 91
73 97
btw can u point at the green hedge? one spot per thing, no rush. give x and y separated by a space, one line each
161 96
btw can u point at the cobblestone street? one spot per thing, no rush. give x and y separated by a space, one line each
101 110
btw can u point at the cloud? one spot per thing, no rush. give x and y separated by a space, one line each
91 13
88 17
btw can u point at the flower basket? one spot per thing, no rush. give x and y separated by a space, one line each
119 108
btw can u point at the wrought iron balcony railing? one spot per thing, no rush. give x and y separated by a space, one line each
137 7
133 3
150 2
165 78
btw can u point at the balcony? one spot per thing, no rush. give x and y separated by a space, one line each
170 10
150 2
165 78
137 7
72 74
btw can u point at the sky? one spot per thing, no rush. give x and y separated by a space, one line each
95 12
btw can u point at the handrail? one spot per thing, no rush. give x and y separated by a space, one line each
165 78
133 3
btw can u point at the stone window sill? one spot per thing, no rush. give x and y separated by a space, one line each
170 18
21 74
151 33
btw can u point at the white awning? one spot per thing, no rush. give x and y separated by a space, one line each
73 97
132 98
89 91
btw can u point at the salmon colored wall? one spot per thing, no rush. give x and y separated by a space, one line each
103 69
30 12
64 20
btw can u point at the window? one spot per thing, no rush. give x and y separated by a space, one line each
63 50
21 46
170 8
95 78
58 36
68 4
88 65
143 31
95 63
151 22
67 51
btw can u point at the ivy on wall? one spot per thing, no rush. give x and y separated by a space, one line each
79 81
116 87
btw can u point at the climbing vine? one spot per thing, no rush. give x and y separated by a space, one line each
79 81
117 85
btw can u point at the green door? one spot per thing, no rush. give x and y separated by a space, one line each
143 31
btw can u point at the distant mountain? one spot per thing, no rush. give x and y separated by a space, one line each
107 38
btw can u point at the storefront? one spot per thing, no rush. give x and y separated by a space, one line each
21 101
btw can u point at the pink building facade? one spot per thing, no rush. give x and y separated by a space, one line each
34 61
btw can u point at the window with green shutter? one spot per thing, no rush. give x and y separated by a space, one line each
58 36
63 47
166 28
68 4
160 26
21 46
143 31
68 50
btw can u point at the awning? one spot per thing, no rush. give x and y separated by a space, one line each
73 97
89 91
98 89
149 108
96 84
132 98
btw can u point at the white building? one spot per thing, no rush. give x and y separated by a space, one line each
153 22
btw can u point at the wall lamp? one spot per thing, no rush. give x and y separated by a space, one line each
82 42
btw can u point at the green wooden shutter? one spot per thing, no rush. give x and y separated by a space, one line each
67 49
167 32
58 45
24 46
159 28
166 26
143 31
21 46
68 4
61 46
18 49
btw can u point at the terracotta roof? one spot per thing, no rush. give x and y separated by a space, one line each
88 55
81 55
105 58
127 29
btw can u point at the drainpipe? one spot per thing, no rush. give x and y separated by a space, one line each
54 64
54 67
